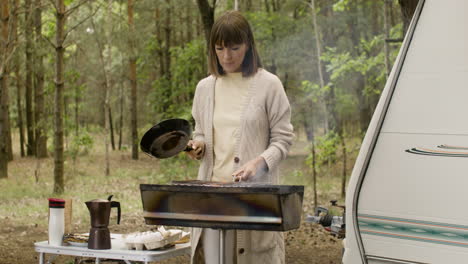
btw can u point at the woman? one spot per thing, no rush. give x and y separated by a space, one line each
242 131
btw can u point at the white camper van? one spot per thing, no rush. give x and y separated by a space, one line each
407 200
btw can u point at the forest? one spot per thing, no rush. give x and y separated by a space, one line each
119 66
72 69
82 80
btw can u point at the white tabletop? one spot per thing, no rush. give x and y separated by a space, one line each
118 251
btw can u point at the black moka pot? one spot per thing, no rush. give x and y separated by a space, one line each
99 210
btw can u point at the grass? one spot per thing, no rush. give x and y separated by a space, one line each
23 199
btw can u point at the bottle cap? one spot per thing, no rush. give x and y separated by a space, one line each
56 203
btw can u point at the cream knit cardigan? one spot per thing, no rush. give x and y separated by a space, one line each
265 130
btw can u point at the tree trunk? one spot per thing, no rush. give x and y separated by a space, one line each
106 83
121 96
333 125
375 18
39 130
407 10
65 113
308 126
19 82
9 45
58 105
267 6
365 113
344 171
40 135
133 83
355 37
3 146
5 17
318 45
159 51
324 76
387 7
167 45
199 27
274 6
108 121
322 81
188 24
248 5
314 174
207 14
76 93
176 32
109 76
111 127
19 89
31 145
167 91
76 110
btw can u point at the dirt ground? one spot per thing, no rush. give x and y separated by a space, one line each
309 244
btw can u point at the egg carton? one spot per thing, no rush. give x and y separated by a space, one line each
152 239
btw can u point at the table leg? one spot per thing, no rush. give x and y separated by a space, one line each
98 261
41 258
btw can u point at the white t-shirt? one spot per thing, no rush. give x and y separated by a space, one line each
230 92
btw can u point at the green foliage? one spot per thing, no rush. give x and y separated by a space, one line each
296 177
49 26
326 147
369 63
80 144
284 37
178 168
69 2
313 91
341 6
173 97
75 91
283 41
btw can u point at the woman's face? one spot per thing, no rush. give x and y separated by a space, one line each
231 57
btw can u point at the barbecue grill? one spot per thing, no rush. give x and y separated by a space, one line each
237 205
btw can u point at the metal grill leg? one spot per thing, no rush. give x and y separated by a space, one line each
222 235
41 258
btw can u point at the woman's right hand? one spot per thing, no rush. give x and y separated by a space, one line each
198 149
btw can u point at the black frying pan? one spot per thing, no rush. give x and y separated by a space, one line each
167 139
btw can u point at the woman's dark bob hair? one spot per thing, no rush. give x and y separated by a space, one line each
230 29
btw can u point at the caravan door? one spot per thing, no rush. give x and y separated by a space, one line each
407 198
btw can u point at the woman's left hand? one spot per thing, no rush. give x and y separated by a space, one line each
250 169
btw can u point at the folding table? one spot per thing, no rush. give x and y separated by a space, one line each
117 252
